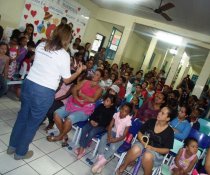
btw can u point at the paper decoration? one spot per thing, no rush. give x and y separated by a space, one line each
45 15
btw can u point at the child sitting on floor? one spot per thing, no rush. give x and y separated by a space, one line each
98 122
186 158
115 136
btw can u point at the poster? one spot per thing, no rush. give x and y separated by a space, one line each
45 15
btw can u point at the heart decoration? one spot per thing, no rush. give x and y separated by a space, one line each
78 8
28 6
35 34
36 22
33 13
25 16
66 11
78 30
46 8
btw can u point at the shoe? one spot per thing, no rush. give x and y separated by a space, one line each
28 155
10 150
81 154
99 165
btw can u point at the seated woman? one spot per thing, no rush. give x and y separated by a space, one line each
150 108
180 125
79 106
161 137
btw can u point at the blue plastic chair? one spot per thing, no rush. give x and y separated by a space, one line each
203 139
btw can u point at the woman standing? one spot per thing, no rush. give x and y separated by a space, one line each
50 64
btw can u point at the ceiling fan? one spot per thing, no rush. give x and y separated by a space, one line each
160 10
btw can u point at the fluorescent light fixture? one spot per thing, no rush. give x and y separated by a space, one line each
173 51
86 17
169 38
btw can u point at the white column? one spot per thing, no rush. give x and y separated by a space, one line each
203 77
149 54
185 64
175 65
164 59
128 29
186 71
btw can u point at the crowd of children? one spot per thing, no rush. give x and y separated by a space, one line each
109 96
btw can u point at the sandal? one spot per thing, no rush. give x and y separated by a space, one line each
53 138
65 142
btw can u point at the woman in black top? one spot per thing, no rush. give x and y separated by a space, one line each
98 123
161 138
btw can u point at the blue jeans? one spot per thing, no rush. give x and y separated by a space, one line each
3 86
88 132
35 102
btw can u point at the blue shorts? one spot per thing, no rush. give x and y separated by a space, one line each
74 117
158 158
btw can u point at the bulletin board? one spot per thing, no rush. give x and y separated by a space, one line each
45 15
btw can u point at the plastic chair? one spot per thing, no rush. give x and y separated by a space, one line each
204 122
205 129
78 131
203 139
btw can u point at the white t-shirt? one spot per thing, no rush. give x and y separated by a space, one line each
49 67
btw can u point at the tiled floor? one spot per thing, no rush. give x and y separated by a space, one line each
49 158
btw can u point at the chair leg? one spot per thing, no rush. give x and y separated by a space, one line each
120 160
78 136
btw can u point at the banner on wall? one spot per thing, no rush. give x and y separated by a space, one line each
45 15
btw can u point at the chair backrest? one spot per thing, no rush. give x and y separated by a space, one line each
204 122
205 129
136 125
203 139
177 145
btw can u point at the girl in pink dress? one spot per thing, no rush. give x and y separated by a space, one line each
186 158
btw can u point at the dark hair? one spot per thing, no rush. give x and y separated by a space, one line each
87 44
170 112
176 93
101 72
32 34
31 44
77 54
200 111
29 54
123 79
146 82
129 105
21 38
139 72
60 38
188 140
5 44
15 34
187 109
111 97
64 18
78 39
1 32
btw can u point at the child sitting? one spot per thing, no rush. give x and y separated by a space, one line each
98 122
115 136
193 118
186 158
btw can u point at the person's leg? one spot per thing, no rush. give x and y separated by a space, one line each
83 139
92 132
59 115
41 98
102 144
56 105
22 118
3 86
131 156
147 163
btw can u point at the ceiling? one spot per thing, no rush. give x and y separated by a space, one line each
193 15
197 54
189 14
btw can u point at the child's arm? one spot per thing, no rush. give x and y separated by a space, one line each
109 136
114 140
177 158
6 68
207 162
191 165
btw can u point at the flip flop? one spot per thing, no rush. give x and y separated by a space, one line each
53 138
